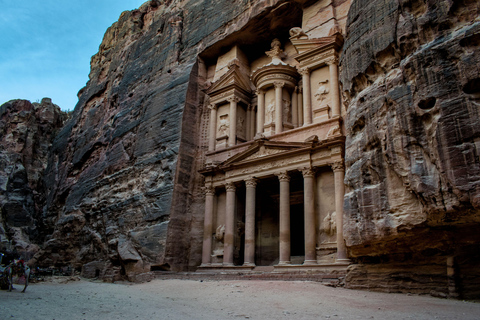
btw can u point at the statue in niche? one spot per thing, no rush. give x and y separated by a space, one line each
240 124
287 111
321 92
270 112
223 126
329 225
220 233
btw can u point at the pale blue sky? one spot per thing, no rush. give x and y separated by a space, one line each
46 46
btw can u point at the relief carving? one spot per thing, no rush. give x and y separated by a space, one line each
223 126
270 112
220 233
329 225
321 92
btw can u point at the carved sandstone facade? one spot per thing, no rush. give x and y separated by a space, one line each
274 167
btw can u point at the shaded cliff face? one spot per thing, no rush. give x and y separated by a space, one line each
26 134
411 81
122 172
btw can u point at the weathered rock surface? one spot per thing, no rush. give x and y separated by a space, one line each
410 74
122 173
26 134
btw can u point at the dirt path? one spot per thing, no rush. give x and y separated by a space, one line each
188 299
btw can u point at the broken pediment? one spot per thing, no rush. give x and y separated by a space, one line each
232 79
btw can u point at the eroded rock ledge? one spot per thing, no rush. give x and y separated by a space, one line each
411 81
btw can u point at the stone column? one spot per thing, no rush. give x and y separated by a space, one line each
228 239
250 185
260 110
309 202
212 138
334 90
307 97
208 226
339 175
284 179
248 123
232 136
295 108
252 121
300 106
278 106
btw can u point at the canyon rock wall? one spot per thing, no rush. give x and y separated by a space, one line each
411 81
122 174
26 134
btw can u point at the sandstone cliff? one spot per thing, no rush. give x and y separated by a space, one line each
411 81
122 173
26 134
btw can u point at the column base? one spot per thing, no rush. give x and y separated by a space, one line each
342 261
205 265
225 264
284 263
249 264
310 262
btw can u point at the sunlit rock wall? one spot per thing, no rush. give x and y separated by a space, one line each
411 81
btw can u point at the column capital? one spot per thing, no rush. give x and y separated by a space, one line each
283 176
209 190
251 107
230 187
304 71
279 84
251 182
212 106
308 172
332 61
259 92
337 166
233 99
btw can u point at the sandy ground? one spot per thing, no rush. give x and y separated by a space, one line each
188 299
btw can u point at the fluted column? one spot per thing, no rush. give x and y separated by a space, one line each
307 96
212 137
208 226
228 239
260 110
232 137
310 236
250 185
284 179
295 108
339 175
300 106
334 90
278 106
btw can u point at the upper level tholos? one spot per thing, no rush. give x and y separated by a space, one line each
288 94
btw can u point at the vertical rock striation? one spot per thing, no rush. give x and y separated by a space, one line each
26 134
122 174
410 74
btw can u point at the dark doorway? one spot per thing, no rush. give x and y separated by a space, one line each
297 230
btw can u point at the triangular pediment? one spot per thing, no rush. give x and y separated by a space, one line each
233 78
265 150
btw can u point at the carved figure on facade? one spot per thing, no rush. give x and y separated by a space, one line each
322 92
220 233
240 124
223 126
297 33
270 112
287 110
276 53
334 131
329 225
